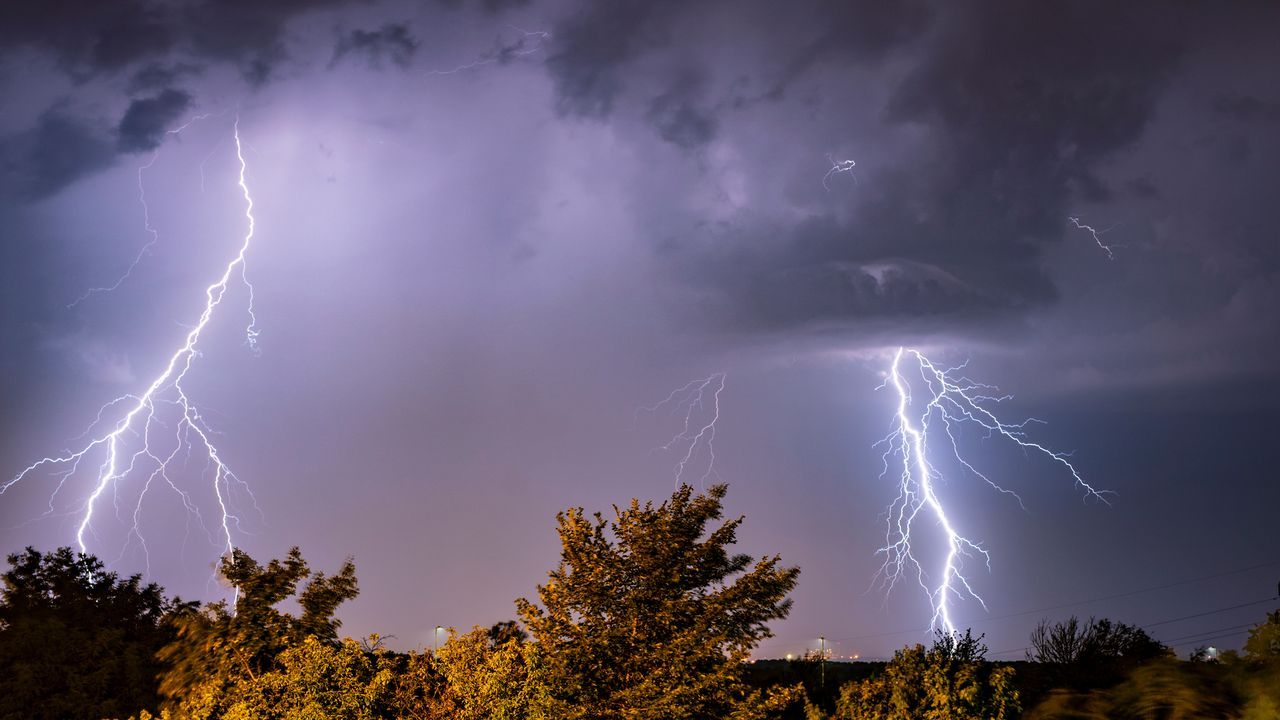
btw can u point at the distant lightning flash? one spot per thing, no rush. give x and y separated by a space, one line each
949 400
699 404
839 167
1096 234
527 42
132 444
152 234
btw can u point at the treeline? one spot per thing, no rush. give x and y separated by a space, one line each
649 615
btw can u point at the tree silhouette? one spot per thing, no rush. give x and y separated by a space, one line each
77 641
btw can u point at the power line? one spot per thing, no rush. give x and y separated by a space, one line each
1174 641
1184 639
1135 592
1207 639
1209 612
1116 596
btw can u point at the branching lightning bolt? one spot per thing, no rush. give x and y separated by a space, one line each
839 167
152 234
1096 234
698 403
950 400
143 421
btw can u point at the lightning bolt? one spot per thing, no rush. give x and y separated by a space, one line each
1096 234
131 444
698 402
950 401
527 42
839 167
152 233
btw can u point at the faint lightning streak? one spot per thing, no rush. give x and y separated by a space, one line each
153 234
699 402
167 388
529 42
1096 234
839 167
951 400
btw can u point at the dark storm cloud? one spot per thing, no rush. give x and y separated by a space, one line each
593 48
247 33
823 272
88 36
1021 103
59 150
145 122
496 6
158 44
678 117
489 7
855 31
1246 108
157 75
596 45
392 41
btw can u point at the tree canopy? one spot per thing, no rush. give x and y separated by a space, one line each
649 615
219 648
949 681
77 641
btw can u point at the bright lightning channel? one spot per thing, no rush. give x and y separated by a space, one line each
141 421
949 401
1096 234
839 167
698 404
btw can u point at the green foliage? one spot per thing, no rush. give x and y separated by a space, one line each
77 641
219 654
652 619
1264 640
484 679
950 681
315 679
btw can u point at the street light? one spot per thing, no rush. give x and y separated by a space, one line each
822 678
436 640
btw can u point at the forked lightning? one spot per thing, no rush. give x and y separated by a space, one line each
932 403
132 445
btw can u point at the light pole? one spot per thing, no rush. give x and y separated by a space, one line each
822 677
435 646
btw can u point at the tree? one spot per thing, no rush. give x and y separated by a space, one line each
646 618
503 632
1264 640
219 654
488 680
1095 653
950 681
77 641
1072 642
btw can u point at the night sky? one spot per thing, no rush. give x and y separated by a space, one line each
488 232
